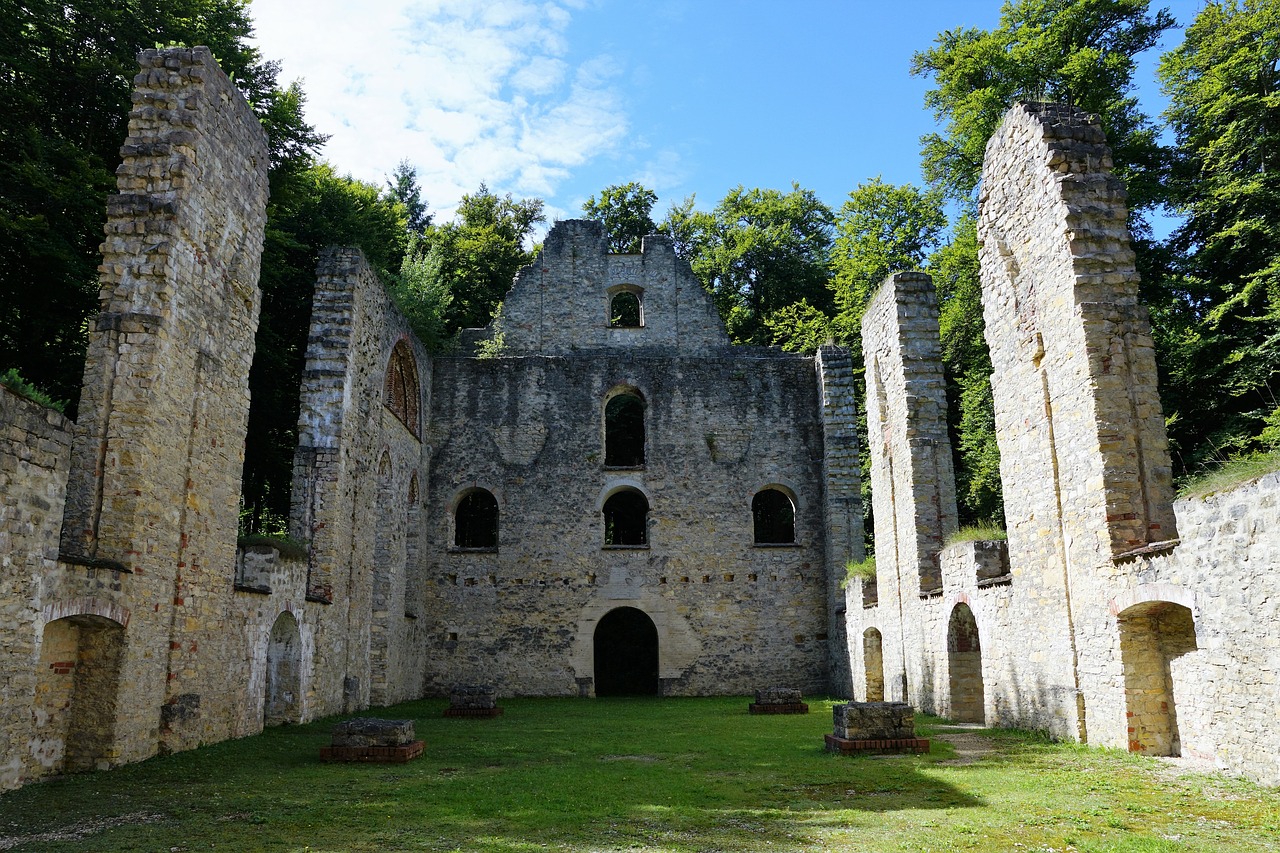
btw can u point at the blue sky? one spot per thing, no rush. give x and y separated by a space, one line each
560 98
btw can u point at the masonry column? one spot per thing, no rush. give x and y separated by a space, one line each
1083 455
842 490
160 443
912 482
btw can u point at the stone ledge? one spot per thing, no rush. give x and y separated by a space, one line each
373 754
890 746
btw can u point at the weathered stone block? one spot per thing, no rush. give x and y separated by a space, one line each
473 697
874 720
372 731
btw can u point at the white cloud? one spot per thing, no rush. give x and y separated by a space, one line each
468 91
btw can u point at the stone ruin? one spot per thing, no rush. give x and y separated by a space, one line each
620 502
874 728
778 700
373 740
1113 615
470 700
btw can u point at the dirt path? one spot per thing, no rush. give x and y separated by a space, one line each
970 746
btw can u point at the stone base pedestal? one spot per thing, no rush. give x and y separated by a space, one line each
778 700
374 740
884 746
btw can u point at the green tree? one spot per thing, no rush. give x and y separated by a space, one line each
758 252
626 212
477 255
1080 52
403 187
1223 331
880 229
967 361
423 296
66 72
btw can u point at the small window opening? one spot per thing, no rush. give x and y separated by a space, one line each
774 517
624 311
476 521
624 431
625 517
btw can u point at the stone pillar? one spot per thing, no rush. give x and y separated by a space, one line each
335 485
160 442
912 482
1083 454
842 491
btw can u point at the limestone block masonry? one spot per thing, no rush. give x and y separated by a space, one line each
1096 622
718 426
609 498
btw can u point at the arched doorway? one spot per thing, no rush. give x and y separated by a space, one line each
873 664
284 673
1152 635
626 654
964 663
75 702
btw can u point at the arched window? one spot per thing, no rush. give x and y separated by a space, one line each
400 387
626 515
476 520
774 516
624 310
624 431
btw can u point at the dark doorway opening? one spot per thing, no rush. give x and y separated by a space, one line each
626 654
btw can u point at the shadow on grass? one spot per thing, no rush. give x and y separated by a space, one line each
677 774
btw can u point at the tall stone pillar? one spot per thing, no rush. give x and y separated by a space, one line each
842 489
1083 455
912 481
159 448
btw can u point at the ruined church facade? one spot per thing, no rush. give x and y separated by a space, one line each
598 494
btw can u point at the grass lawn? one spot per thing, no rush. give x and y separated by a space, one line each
642 774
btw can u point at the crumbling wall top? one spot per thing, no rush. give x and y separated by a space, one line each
577 297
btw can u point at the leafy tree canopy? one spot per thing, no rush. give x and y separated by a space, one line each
1080 52
66 73
758 252
626 212
1222 335
464 267
404 188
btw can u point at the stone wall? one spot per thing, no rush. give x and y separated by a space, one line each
912 486
721 424
128 626
561 303
35 456
1097 624
357 464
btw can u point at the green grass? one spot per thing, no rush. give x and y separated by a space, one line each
14 381
643 775
865 569
1231 474
987 532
